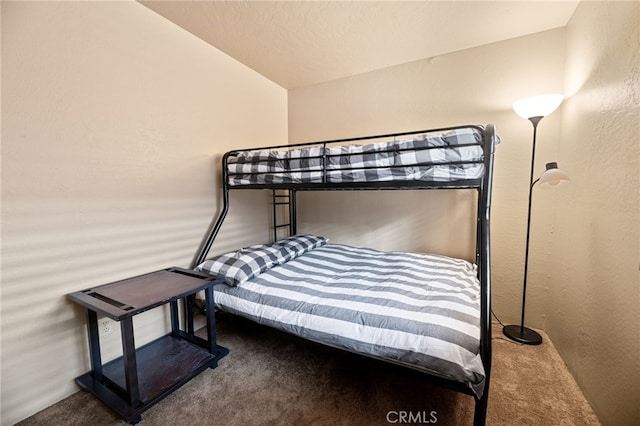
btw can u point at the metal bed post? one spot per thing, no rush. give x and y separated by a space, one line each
274 203
206 243
213 230
293 220
484 271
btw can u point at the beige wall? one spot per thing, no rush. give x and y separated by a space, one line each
594 311
471 86
113 120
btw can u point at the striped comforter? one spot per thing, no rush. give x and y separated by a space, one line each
412 309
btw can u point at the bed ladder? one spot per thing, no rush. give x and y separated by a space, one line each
284 210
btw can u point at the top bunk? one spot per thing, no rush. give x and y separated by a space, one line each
451 157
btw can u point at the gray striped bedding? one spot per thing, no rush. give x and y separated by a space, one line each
412 309
441 157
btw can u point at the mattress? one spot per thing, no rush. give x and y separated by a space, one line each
454 155
417 310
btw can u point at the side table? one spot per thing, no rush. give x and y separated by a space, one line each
141 377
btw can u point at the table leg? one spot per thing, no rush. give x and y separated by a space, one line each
130 364
211 320
188 312
94 344
175 323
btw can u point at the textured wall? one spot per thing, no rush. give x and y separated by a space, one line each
594 311
471 86
113 120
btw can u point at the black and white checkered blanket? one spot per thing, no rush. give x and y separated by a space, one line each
451 156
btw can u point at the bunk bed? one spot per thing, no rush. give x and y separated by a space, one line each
427 312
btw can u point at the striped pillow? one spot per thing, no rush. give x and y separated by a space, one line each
242 265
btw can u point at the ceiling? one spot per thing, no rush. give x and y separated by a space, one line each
301 43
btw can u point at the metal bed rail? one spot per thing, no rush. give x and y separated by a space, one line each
318 161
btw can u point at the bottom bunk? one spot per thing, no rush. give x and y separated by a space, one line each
417 310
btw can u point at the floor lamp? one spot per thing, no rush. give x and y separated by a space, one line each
534 109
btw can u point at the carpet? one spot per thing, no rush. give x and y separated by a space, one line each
271 378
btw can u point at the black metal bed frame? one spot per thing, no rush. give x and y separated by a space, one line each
483 261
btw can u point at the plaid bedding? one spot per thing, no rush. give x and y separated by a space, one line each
239 266
451 156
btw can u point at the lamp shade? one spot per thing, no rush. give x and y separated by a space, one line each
537 106
553 176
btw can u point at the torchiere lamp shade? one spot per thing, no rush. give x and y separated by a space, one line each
537 106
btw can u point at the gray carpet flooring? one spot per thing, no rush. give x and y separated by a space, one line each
270 378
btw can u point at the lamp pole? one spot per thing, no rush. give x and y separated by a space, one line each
521 333
534 109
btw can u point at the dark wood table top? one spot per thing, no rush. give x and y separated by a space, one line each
128 297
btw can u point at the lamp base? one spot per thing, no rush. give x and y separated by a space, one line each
523 335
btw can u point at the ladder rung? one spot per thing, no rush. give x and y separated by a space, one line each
283 225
